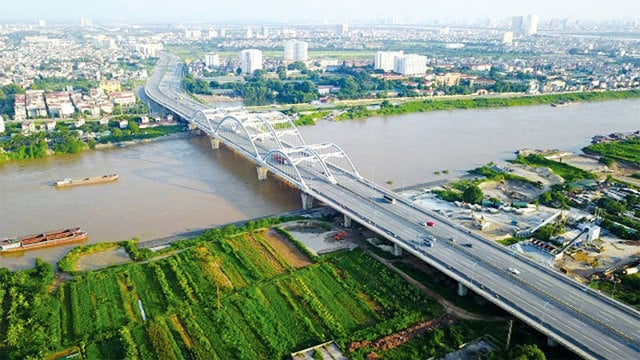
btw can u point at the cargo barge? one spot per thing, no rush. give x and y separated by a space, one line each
51 238
86 181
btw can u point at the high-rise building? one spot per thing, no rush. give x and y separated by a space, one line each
41 23
385 60
343 28
532 25
223 33
86 22
249 33
212 60
296 51
517 24
265 32
212 33
507 38
410 64
251 60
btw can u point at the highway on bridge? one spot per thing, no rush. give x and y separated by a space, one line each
585 321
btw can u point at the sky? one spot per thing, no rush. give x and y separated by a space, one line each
332 11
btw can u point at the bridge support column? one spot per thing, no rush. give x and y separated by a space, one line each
462 290
347 221
397 250
307 201
215 143
262 172
551 342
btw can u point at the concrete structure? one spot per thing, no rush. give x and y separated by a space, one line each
585 321
410 64
212 60
296 51
507 38
532 25
251 60
517 24
385 60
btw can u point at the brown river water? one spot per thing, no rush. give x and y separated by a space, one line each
173 186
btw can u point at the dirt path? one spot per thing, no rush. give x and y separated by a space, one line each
449 307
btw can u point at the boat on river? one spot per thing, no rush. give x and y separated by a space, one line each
86 181
564 103
36 241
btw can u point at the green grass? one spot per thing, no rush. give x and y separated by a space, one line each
626 150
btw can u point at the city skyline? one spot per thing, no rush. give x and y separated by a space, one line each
330 11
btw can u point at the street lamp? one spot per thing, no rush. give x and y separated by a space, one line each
544 313
473 272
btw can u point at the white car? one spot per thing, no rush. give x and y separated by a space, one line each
514 271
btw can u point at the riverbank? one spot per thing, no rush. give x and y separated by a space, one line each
172 136
386 107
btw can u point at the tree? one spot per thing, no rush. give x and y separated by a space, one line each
472 195
527 352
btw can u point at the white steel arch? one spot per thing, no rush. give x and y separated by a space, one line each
305 157
279 160
330 152
225 135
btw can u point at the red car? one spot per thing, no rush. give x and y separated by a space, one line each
430 223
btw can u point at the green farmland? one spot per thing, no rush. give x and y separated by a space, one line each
228 298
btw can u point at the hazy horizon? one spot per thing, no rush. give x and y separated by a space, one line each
331 11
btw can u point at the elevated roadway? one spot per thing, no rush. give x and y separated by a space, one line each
592 325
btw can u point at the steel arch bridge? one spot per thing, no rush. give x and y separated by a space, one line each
273 141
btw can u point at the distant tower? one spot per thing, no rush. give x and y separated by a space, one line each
296 51
532 25
251 60
507 38
517 24
212 60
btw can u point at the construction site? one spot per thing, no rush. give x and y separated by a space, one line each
567 238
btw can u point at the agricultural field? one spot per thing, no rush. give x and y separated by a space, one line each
234 297
246 293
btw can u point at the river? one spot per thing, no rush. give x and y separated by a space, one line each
172 186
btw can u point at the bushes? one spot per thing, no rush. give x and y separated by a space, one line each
68 262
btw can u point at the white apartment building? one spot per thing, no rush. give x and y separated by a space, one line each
532 25
251 60
385 60
410 64
212 60
507 38
296 51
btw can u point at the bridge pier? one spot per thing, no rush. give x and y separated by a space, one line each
347 221
397 250
307 201
462 290
262 172
215 143
551 342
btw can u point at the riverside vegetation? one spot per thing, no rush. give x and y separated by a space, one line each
225 294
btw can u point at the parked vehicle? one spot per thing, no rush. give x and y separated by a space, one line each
389 198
